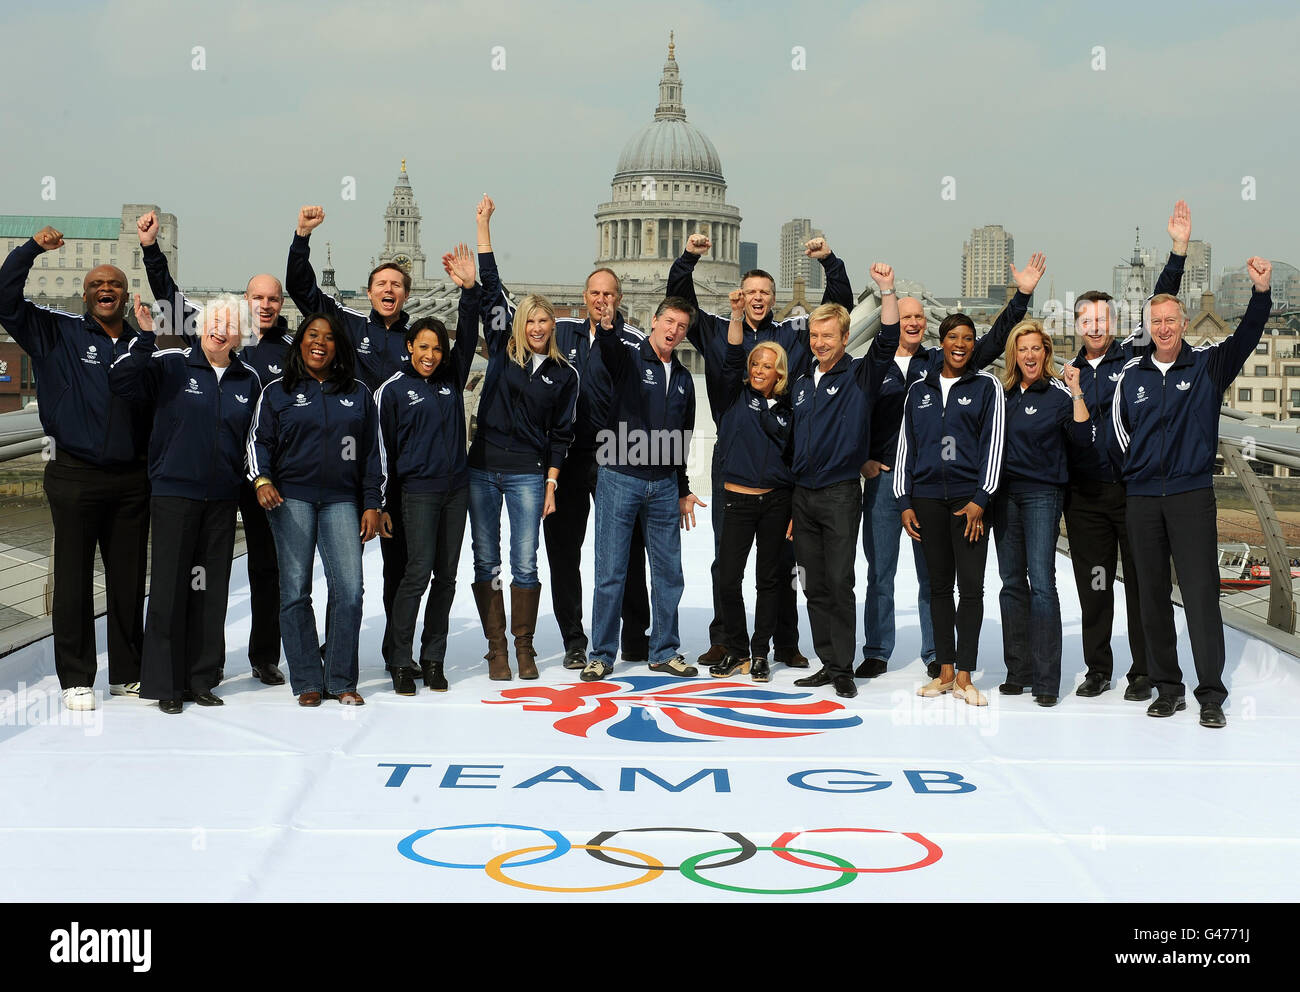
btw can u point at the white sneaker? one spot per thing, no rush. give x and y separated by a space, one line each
125 689
80 697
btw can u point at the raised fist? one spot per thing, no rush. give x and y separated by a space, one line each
483 212
698 244
310 218
48 238
147 227
1071 376
737 299
883 275
1260 271
817 248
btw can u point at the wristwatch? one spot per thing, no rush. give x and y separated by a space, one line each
886 292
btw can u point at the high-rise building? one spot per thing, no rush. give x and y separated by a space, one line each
794 263
984 260
1196 274
748 256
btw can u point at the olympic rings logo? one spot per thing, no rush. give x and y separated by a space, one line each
651 868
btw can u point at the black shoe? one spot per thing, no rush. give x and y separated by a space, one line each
933 669
729 666
172 706
1008 688
1093 684
1139 689
790 657
1212 716
1045 700
1166 705
404 681
871 667
844 686
433 677
575 659
269 674
759 671
817 679
207 699
712 656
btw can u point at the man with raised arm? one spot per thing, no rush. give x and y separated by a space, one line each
265 297
1165 417
709 336
95 479
1095 499
379 339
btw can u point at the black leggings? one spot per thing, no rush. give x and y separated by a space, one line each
950 558
750 519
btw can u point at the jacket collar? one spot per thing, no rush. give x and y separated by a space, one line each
1184 358
1114 353
932 377
198 359
399 325
1039 385
650 355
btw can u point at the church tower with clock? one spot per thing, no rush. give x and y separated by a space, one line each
402 233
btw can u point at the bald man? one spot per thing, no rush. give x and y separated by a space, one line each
95 475
265 297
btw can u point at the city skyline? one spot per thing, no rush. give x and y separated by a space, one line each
207 145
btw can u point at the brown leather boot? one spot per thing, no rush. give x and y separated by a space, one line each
523 621
492 612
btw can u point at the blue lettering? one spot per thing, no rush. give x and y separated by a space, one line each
627 783
454 774
799 780
922 785
398 774
550 775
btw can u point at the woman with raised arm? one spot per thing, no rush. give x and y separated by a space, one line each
525 425
201 400
422 452
948 465
313 456
754 435
1044 417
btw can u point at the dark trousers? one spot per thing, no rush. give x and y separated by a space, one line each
751 519
263 581
565 530
826 546
1094 519
785 634
435 531
1186 527
108 508
953 560
394 551
189 585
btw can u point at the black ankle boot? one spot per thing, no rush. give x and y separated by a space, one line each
433 677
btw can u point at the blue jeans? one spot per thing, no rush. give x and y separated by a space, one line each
524 494
299 529
1025 528
620 500
882 526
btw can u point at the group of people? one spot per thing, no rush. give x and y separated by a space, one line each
353 426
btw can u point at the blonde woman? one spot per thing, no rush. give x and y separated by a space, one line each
525 426
1045 414
753 442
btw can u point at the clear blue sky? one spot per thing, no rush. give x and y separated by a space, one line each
895 96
